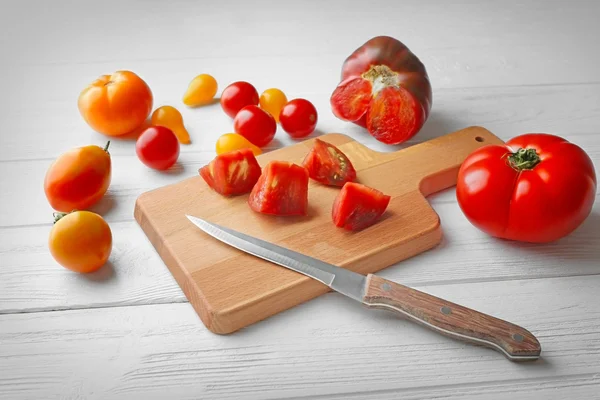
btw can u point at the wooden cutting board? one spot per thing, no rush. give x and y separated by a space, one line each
230 289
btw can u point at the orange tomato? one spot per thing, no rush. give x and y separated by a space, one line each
171 118
116 104
232 141
202 90
80 241
272 101
78 178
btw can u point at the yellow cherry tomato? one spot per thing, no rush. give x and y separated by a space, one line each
232 141
272 101
202 90
171 118
80 241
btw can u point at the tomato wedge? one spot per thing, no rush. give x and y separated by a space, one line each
327 164
358 206
282 189
232 173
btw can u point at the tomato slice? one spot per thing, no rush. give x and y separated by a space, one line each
282 189
232 173
358 206
328 165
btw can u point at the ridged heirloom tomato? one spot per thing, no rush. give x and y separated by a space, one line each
116 104
536 188
384 88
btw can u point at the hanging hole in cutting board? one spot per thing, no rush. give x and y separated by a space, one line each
479 138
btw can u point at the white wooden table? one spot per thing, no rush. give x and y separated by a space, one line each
128 332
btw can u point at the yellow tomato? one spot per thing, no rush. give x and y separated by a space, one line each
272 101
80 241
232 141
202 90
171 118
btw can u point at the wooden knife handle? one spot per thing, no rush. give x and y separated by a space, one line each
515 342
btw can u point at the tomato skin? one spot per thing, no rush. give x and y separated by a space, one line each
157 147
232 141
357 206
328 165
81 241
272 101
298 118
116 104
237 96
282 189
232 173
256 125
78 178
538 205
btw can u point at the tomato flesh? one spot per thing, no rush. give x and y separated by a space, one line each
357 206
328 165
282 189
232 173
536 188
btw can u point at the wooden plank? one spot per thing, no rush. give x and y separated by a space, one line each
317 349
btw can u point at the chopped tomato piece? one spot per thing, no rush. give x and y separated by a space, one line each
328 165
232 173
358 206
282 189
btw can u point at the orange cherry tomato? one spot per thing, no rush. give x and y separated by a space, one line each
232 141
272 101
78 178
171 118
80 241
202 90
116 104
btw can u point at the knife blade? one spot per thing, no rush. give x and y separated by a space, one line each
444 317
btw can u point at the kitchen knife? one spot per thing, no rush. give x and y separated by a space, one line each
442 316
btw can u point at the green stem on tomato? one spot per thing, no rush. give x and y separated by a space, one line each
524 159
58 215
106 147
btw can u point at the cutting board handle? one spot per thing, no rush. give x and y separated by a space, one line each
434 164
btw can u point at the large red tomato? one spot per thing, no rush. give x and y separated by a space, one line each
385 88
536 188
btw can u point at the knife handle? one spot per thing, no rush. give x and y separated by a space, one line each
453 320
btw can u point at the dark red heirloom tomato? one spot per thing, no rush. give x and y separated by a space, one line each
384 88
358 206
232 173
256 125
536 188
237 96
328 165
282 189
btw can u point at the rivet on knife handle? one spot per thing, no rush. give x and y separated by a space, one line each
453 320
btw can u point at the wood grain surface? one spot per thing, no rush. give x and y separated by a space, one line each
451 319
128 331
230 289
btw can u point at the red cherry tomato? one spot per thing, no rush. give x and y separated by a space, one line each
298 118
328 165
157 147
358 206
256 125
536 188
232 173
282 189
237 96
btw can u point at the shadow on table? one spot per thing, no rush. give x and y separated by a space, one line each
104 274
